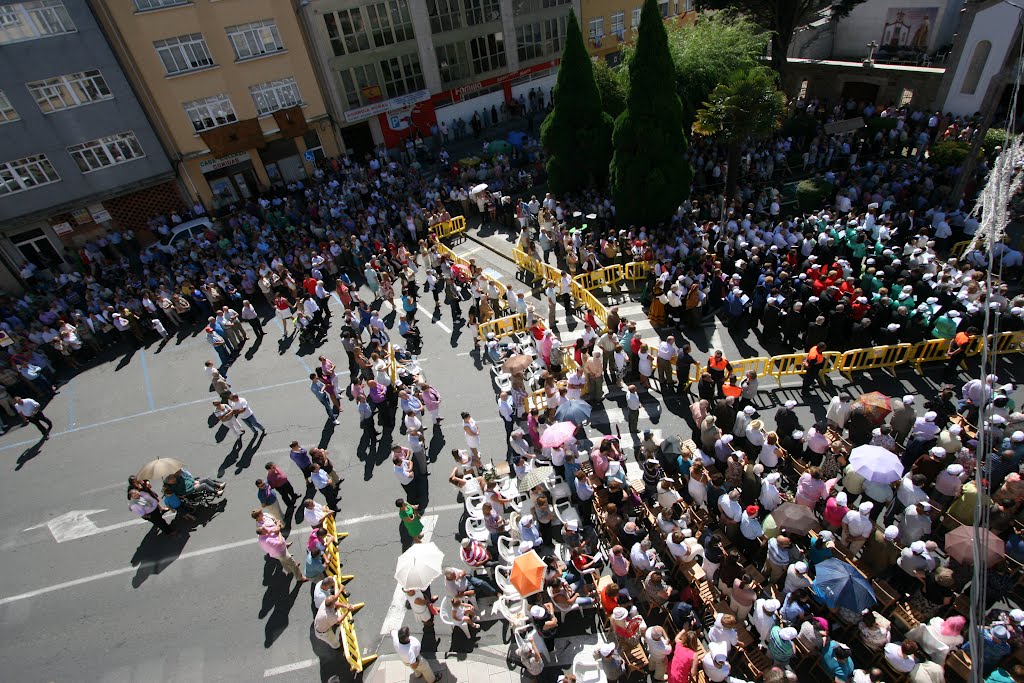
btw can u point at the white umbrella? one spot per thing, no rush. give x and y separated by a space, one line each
479 188
876 464
418 566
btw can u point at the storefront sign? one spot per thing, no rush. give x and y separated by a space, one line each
456 94
62 228
82 216
98 213
353 115
844 126
223 162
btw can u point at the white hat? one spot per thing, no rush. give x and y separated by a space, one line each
955 469
1017 437
537 612
606 649
526 519
908 400
771 605
813 300
865 508
800 567
797 434
790 404
954 314
727 438
1017 615
720 657
892 533
773 477
930 416
789 633
918 547
826 536
842 499
525 547
938 451
620 613
955 430
892 327
749 410
998 420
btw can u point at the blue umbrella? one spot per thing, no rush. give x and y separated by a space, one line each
839 584
573 411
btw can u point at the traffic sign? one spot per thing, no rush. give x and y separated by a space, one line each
310 156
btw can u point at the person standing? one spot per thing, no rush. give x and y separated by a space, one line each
241 408
316 385
813 364
274 545
322 481
632 408
268 499
31 411
472 431
327 622
145 505
219 345
302 460
250 316
432 402
278 480
409 651
226 416
507 413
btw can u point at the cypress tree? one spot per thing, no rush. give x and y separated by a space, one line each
650 175
577 133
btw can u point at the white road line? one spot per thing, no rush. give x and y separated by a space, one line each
396 610
195 553
288 668
432 322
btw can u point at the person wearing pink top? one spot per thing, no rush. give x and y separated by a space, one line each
835 509
274 545
810 488
432 402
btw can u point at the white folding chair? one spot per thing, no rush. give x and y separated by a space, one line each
474 503
476 529
502 576
446 616
507 549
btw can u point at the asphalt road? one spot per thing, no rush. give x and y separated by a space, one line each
115 602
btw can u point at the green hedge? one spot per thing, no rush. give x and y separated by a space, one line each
812 194
949 152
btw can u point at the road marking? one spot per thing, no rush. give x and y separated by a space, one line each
396 611
288 668
71 404
145 378
195 553
432 322
76 524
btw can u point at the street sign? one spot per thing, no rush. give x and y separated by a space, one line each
310 156
76 524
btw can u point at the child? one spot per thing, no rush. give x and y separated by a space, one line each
159 327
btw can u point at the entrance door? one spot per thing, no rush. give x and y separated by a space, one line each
358 139
35 246
858 91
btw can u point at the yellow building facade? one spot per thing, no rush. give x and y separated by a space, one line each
609 24
230 88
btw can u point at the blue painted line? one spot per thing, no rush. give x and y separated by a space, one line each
71 404
145 377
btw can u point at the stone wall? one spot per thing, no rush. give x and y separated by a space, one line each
831 80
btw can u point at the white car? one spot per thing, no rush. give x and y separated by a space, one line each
180 235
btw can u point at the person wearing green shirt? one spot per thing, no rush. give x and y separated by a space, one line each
837 662
943 327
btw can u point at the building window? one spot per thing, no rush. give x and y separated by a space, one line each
665 6
554 35
802 95
210 112
482 11
361 85
274 95
347 32
687 5
619 24
390 22
975 68
906 97
529 41
146 5
445 15
7 112
184 53
548 4
488 53
597 28
103 152
453 63
71 90
24 174
30 20
402 75
634 20
255 39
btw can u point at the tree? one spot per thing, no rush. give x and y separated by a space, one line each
748 105
782 18
577 133
610 84
650 174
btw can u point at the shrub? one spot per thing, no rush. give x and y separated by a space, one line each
949 153
811 194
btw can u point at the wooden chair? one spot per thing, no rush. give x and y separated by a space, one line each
886 595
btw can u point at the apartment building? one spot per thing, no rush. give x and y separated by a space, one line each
231 87
608 24
393 67
78 152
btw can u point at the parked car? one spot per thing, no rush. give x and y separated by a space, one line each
180 235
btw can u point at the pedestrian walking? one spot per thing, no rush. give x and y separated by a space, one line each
275 546
31 411
302 460
283 311
812 366
269 499
432 403
408 649
472 431
250 316
316 386
220 384
278 480
227 417
632 408
146 505
241 408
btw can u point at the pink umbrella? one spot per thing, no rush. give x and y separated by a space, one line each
557 434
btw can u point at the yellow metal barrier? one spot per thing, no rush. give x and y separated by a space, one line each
449 228
1009 342
886 357
636 270
609 276
927 351
759 365
349 640
959 248
503 327
793 364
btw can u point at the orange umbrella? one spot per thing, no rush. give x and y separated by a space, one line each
528 573
876 406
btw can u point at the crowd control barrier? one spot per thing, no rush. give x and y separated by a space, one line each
931 350
449 228
636 270
349 641
609 276
503 327
959 248
884 357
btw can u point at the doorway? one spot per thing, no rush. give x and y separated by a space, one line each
36 248
859 91
358 139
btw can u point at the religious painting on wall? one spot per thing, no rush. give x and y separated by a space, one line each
908 31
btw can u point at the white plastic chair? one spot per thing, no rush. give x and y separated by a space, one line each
561 493
476 529
507 549
528 634
446 616
474 503
567 514
512 610
502 576
586 669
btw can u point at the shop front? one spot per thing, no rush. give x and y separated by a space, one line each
232 179
283 162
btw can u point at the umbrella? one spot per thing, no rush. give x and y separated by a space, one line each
528 573
478 188
960 546
418 566
794 517
573 411
158 469
876 406
876 464
516 364
536 476
839 584
672 446
557 434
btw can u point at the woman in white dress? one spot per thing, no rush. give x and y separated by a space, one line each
770 451
698 485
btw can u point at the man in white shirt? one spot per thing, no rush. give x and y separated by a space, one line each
408 649
30 411
315 513
857 526
240 407
667 352
507 413
632 408
327 620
